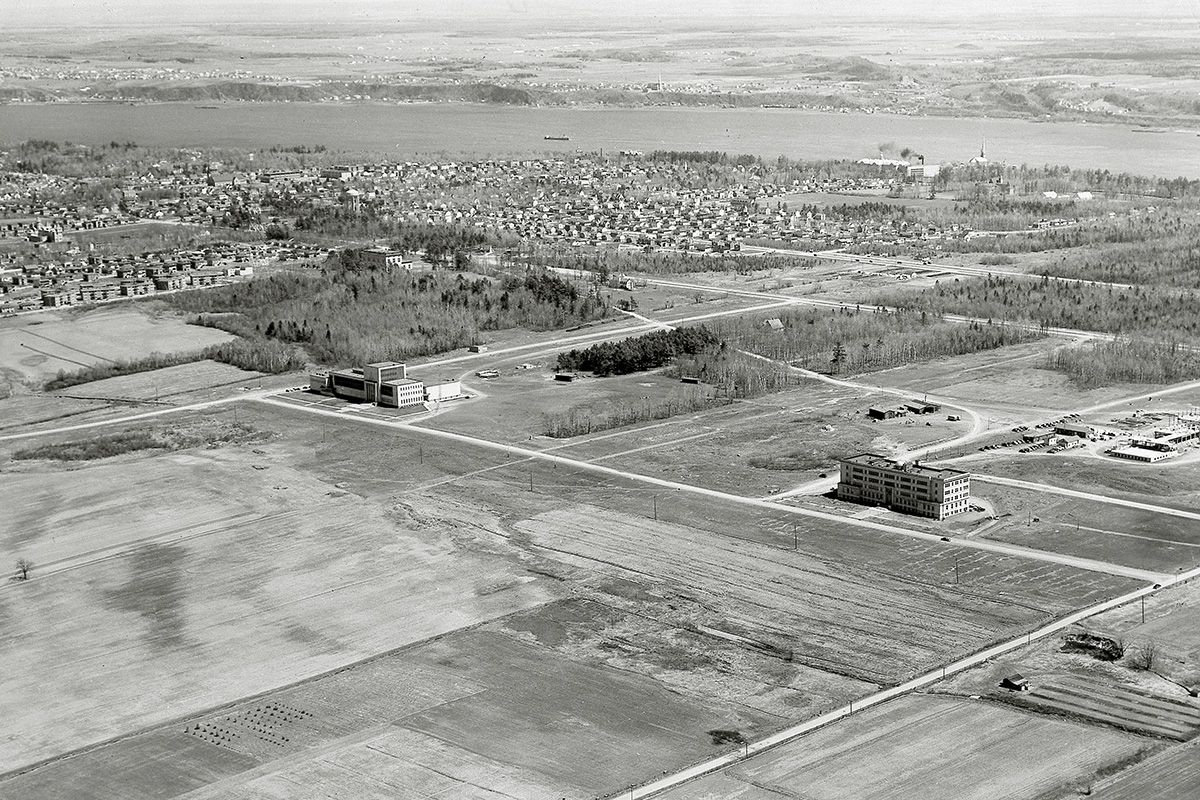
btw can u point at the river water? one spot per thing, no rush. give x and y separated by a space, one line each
477 130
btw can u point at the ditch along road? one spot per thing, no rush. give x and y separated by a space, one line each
715 494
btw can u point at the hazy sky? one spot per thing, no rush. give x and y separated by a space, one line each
157 12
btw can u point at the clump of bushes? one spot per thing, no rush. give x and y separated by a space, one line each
116 444
1098 647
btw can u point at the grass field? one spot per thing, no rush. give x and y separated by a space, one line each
34 348
1088 528
923 748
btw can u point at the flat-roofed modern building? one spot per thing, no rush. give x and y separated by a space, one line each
384 383
874 479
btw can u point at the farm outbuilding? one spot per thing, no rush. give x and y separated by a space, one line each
883 413
1016 682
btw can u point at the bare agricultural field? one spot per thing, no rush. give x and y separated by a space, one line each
1171 775
924 748
235 570
786 600
34 348
469 715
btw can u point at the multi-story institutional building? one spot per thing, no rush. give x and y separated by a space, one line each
925 491
385 383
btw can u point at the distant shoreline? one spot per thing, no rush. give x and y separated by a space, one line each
488 129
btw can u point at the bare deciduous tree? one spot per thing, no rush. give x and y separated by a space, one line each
23 567
1144 656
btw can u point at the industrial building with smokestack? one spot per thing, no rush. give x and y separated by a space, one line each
385 383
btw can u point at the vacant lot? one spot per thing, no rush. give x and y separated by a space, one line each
924 749
36 347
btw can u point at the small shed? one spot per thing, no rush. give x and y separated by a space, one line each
477 348
774 323
1015 682
883 413
565 377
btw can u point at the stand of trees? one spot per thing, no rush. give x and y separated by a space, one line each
1164 312
1126 360
640 353
358 316
863 340
583 419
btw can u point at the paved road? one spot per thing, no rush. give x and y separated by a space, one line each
788 734
987 546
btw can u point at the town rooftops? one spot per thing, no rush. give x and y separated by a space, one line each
883 462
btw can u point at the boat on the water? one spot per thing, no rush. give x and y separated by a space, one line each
559 138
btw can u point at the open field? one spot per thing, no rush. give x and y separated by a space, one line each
749 447
1087 528
290 557
1167 483
786 600
923 748
1170 775
1008 382
34 348
234 571
167 384
465 716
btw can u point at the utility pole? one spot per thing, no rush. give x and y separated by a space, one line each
531 479
656 508
956 570
1143 609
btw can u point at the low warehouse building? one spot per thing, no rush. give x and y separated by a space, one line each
1142 454
1073 429
440 392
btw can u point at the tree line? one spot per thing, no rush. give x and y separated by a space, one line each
862 340
1126 360
1155 312
653 350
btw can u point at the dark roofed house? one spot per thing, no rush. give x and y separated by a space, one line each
1016 682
